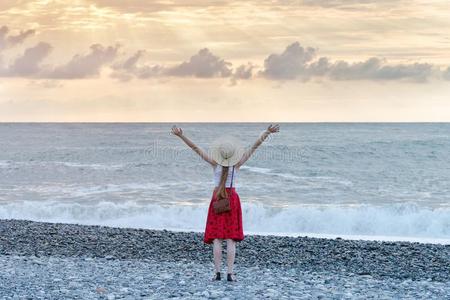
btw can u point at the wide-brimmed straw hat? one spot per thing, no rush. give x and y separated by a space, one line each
227 150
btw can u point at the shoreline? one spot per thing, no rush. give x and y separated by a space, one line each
401 260
68 261
373 238
354 237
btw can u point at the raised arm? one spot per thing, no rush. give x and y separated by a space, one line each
249 152
179 132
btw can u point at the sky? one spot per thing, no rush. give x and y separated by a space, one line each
224 61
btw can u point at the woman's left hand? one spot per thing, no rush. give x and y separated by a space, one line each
177 131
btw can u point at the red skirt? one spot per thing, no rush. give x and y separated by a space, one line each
227 225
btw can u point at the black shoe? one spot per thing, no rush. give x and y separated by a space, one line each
231 277
217 277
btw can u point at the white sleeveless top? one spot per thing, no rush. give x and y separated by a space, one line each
218 174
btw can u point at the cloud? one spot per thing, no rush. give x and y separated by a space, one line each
446 74
334 3
346 4
7 41
319 67
125 71
28 64
374 69
145 6
129 68
204 64
48 84
80 66
242 72
85 65
18 39
7 4
130 63
296 62
290 64
140 6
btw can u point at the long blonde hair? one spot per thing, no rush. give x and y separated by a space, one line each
221 191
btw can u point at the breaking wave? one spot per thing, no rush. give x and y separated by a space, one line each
406 221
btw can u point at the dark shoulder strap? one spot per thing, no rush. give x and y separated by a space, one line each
232 173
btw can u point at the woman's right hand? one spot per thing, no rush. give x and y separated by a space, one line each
273 129
177 131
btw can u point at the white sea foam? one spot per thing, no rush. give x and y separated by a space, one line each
75 191
306 181
4 164
398 222
32 163
94 166
267 171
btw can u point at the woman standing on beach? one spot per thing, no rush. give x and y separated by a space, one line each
226 159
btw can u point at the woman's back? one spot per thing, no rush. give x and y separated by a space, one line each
218 173
225 225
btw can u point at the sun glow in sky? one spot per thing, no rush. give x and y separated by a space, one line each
214 60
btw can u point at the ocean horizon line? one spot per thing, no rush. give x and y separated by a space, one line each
231 122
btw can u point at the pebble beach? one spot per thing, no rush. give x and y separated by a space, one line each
66 261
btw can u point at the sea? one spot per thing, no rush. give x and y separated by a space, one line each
373 181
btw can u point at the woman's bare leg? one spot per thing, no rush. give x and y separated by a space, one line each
217 250
231 254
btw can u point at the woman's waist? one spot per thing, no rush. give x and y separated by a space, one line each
227 188
227 183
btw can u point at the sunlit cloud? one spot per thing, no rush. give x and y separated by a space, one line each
299 62
294 63
7 40
130 68
29 63
243 72
204 64
446 74
84 65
